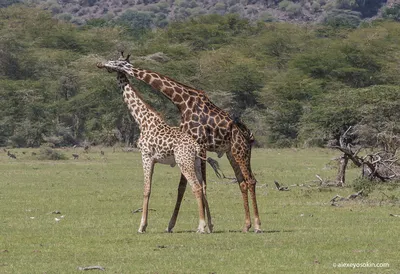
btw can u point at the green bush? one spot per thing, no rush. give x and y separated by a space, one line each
293 9
392 13
342 19
47 153
284 4
364 184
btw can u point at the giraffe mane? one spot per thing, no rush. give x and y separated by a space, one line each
140 96
175 81
126 59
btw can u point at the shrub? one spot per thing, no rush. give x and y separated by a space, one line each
392 13
367 185
343 18
315 7
267 17
284 4
293 9
47 153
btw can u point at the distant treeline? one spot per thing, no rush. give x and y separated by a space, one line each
292 85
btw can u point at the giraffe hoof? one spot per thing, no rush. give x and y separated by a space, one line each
258 231
167 230
200 231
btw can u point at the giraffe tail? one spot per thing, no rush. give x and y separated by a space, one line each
245 131
213 163
215 166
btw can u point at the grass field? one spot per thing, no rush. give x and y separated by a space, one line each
96 194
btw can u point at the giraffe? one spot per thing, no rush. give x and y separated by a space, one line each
161 143
212 128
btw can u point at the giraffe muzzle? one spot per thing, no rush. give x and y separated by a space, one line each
100 66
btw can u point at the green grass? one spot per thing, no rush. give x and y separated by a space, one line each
303 233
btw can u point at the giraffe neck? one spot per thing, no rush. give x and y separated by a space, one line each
182 96
143 114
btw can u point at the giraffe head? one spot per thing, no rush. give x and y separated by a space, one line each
118 65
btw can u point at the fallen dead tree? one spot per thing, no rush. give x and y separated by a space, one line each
382 165
281 188
339 198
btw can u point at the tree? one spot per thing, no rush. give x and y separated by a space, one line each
137 23
370 111
6 3
342 19
245 83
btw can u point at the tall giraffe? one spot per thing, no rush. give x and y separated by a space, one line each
211 127
161 143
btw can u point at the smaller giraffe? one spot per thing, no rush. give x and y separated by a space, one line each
161 143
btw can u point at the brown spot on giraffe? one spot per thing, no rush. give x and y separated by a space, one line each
156 83
178 98
169 91
147 77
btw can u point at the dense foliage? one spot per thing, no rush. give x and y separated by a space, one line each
292 85
161 12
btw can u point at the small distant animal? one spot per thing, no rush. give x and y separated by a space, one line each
102 152
86 149
76 156
11 155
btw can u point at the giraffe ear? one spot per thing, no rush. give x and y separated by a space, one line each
127 58
122 55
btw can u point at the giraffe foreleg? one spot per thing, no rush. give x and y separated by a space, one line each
148 168
203 178
181 192
199 175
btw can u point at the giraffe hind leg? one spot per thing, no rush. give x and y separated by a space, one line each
187 164
241 166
